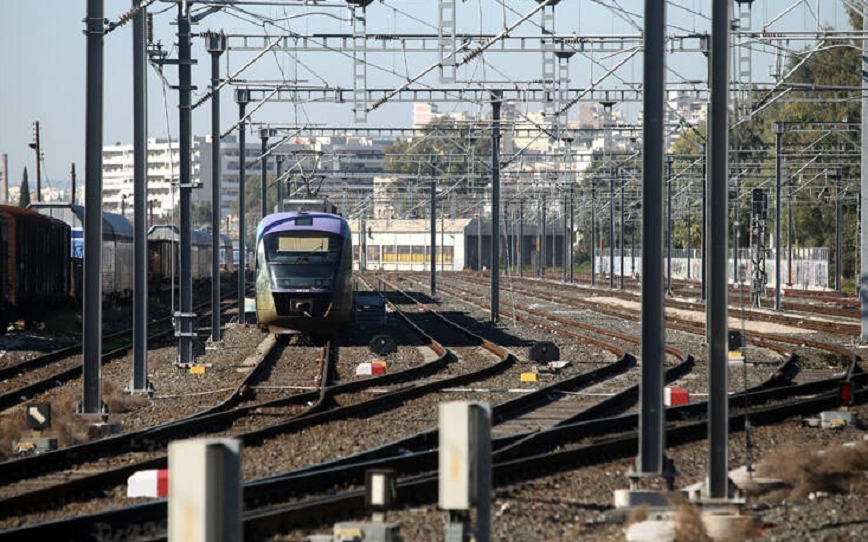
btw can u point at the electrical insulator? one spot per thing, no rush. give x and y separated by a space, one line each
150 28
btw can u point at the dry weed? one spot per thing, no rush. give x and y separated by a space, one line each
839 469
119 401
688 524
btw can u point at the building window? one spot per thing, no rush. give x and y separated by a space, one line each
404 254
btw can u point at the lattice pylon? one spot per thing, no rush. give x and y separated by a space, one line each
447 41
549 65
360 62
563 88
745 64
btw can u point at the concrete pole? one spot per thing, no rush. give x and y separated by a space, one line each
863 238
185 114
651 460
496 97
215 44
92 318
611 231
242 98
669 160
140 214
778 128
716 308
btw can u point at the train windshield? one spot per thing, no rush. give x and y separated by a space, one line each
302 247
307 276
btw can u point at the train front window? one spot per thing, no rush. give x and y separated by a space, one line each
302 247
306 276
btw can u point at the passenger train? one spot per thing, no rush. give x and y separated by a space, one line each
304 272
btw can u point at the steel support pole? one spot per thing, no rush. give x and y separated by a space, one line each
543 255
565 243
215 44
363 240
611 231
669 160
521 238
263 192
496 97
91 402
703 240
593 234
479 239
186 318
278 164
716 309
790 234
839 275
863 238
37 146
139 381
689 240
242 98
623 239
778 128
572 230
433 232
651 460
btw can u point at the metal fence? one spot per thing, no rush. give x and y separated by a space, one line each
810 269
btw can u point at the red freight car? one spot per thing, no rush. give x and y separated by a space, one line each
34 264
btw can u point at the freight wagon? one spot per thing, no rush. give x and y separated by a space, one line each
34 265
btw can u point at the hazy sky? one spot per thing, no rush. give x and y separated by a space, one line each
42 63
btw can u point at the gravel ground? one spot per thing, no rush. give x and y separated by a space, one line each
695 382
17 346
821 502
178 393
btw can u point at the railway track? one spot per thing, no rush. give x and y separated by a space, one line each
836 354
842 310
350 470
116 345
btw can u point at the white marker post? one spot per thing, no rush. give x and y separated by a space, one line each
205 490
465 468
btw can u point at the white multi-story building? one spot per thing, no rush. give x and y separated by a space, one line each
163 170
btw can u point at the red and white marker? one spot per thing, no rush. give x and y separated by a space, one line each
675 396
149 483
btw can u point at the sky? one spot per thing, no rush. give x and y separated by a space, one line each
42 63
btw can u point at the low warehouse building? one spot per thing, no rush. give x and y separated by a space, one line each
404 245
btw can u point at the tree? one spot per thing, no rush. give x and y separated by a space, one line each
823 71
24 197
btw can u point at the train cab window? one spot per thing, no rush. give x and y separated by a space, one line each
302 247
